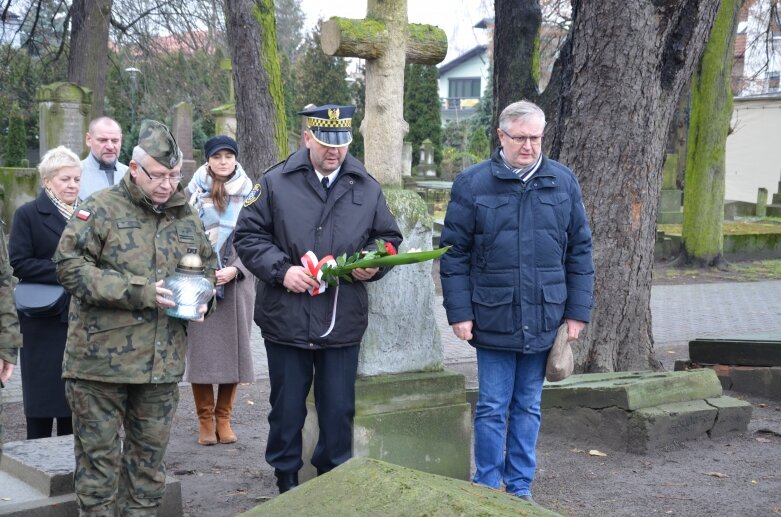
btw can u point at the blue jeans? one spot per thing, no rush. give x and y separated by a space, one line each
507 418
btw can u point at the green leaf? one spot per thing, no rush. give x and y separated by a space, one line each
390 260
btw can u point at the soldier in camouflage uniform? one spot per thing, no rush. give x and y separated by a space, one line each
124 356
10 338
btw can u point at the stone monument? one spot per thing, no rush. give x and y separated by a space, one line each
63 116
225 115
426 166
182 129
671 198
404 397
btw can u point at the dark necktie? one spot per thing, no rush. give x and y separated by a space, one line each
324 181
109 170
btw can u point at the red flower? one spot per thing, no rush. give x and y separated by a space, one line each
390 249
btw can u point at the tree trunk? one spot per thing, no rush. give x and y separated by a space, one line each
88 57
517 55
629 62
368 39
703 210
260 105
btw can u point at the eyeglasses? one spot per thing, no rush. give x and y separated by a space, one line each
174 178
532 139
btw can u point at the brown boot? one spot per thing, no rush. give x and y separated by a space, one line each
204 406
226 394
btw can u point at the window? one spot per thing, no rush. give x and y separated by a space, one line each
773 80
464 87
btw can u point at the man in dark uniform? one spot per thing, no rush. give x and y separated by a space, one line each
319 199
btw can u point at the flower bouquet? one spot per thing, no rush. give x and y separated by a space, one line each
336 269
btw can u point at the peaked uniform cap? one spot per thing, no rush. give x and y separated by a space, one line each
330 124
156 139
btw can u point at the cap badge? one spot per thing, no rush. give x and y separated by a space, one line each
333 113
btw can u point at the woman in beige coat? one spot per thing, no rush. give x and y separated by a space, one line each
218 349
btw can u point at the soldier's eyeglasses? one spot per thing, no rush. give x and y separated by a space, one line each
174 178
533 139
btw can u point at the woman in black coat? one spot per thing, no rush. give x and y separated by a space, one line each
35 233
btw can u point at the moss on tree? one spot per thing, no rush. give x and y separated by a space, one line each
264 14
711 109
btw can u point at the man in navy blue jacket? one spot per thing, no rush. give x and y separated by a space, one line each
519 266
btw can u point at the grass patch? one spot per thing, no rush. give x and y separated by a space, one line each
731 227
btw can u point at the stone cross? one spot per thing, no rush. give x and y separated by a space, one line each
386 41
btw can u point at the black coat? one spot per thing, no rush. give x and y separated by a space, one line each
35 233
294 215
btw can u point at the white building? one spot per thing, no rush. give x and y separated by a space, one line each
462 81
753 156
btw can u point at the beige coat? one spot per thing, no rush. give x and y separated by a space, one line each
218 349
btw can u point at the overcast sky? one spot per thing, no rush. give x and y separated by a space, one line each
455 17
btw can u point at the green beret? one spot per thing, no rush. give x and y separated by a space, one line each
158 142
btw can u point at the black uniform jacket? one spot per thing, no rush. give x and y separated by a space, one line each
293 215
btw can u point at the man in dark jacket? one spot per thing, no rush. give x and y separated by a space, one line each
319 199
519 265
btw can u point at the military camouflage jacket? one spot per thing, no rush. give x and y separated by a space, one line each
10 338
113 250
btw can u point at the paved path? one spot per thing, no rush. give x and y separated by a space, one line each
680 313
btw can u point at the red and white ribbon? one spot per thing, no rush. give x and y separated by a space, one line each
315 268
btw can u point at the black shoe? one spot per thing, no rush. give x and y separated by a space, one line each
286 481
526 498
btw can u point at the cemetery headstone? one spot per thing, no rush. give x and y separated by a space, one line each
671 198
761 202
225 115
63 116
182 129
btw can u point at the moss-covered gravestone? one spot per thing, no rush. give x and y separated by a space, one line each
409 410
641 411
63 111
365 486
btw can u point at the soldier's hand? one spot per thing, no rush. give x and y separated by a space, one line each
6 369
163 297
298 280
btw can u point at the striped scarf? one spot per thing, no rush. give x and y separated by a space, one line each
219 226
524 173
64 208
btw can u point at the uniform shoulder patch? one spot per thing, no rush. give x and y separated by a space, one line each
83 214
253 195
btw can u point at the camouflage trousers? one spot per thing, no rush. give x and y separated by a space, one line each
115 476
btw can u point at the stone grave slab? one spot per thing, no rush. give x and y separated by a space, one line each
641 411
749 363
629 390
365 486
36 480
736 352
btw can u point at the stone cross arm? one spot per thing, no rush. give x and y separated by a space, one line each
369 39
